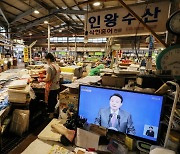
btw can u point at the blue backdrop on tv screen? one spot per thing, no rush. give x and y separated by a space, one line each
144 108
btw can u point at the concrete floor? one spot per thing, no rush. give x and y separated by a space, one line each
20 64
29 139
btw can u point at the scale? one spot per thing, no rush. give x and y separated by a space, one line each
169 59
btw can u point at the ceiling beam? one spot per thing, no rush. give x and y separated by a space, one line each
71 31
65 26
53 35
68 11
34 22
26 13
18 10
29 5
77 5
55 11
2 13
86 2
19 21
70 44
11 5
71 9
55 4
60 10
15 7
2 24
40 20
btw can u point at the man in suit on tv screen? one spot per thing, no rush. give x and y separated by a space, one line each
114 117
150 132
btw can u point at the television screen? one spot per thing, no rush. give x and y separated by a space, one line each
133 113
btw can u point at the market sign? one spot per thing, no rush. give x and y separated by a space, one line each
119 22
26 55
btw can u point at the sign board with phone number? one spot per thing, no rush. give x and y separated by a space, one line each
119 22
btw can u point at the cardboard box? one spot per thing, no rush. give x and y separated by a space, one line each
74 90
113 81
76 70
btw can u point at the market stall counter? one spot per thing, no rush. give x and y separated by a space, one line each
48 142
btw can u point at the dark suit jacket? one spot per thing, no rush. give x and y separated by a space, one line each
148 133
125 123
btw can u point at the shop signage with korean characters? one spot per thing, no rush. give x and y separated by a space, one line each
119 22
26 55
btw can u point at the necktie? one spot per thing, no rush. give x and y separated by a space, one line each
113 120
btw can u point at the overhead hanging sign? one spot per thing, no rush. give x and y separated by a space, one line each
26 55
119 22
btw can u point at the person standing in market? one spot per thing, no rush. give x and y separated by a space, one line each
52 83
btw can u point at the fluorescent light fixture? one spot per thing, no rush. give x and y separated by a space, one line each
46 22
36 11
96 3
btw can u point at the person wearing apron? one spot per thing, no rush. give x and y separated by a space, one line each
52 83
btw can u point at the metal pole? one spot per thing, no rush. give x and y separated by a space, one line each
68 48
8 30
172 111
75 48
30 60
9 38
49 32
30 51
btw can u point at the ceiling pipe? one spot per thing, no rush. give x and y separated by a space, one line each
45 36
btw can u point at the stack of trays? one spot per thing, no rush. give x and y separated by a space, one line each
18 91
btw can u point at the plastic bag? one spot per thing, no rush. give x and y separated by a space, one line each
20 121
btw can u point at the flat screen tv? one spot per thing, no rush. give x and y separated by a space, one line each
133 113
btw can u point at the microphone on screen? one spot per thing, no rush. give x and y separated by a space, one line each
110 116
118 117
97 120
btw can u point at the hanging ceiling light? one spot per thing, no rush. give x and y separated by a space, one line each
46 22
96 4
85 39
36 11
30 34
